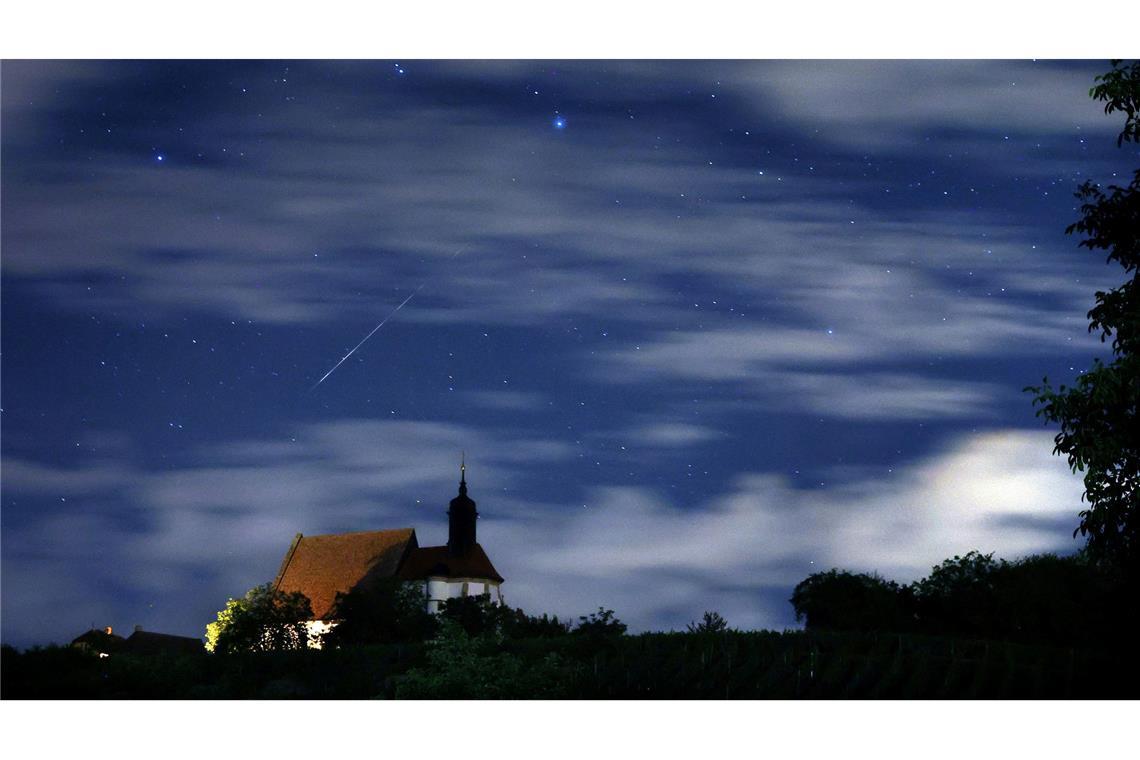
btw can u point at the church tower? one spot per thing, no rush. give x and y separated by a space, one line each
461 517
324 567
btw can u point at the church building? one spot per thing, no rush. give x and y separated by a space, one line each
321 566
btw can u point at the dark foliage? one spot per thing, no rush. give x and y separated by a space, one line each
1099 416
478 615
388 611
1064 601
711 622
839 600
1059 600
600 625
731 665
817 665
519 625
1119 90
960 595
462 666
393 612
68 673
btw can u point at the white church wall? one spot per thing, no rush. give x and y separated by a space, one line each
441 589
437 591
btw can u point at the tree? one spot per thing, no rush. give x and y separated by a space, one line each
1066 601
844 601
520 625
1100 415
712 622
474 614
1042 598
462 666
387 611
602 624
478 615
959 595
263 620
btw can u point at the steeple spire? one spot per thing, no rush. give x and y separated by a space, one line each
461 516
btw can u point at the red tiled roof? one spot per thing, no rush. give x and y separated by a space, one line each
320 566
434 561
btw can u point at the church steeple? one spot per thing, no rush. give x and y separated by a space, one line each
461 517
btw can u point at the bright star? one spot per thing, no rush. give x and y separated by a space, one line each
559 122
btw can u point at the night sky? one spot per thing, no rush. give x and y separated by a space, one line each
701 328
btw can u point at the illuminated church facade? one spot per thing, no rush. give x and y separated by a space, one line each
320 567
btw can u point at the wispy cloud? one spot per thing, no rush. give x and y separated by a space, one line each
886 396
661 566
292 220
214 530
670 434
887 105
133 536
514 401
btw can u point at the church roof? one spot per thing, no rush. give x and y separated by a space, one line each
434 561
321 566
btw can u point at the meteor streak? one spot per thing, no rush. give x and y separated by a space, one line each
384 321
369 335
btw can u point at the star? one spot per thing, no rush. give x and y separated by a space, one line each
559 122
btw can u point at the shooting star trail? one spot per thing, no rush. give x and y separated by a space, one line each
383 322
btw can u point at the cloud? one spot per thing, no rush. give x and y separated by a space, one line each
31 88
736 353
205 532
166 548
21 476
844 315
672 434
514 401
885 105
886 396
880 103
744 550
291 218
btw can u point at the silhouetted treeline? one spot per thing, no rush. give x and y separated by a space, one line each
1066 601
391 612
710 665
975 627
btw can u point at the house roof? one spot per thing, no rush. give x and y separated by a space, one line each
321 566
434 562
150 642
99 641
